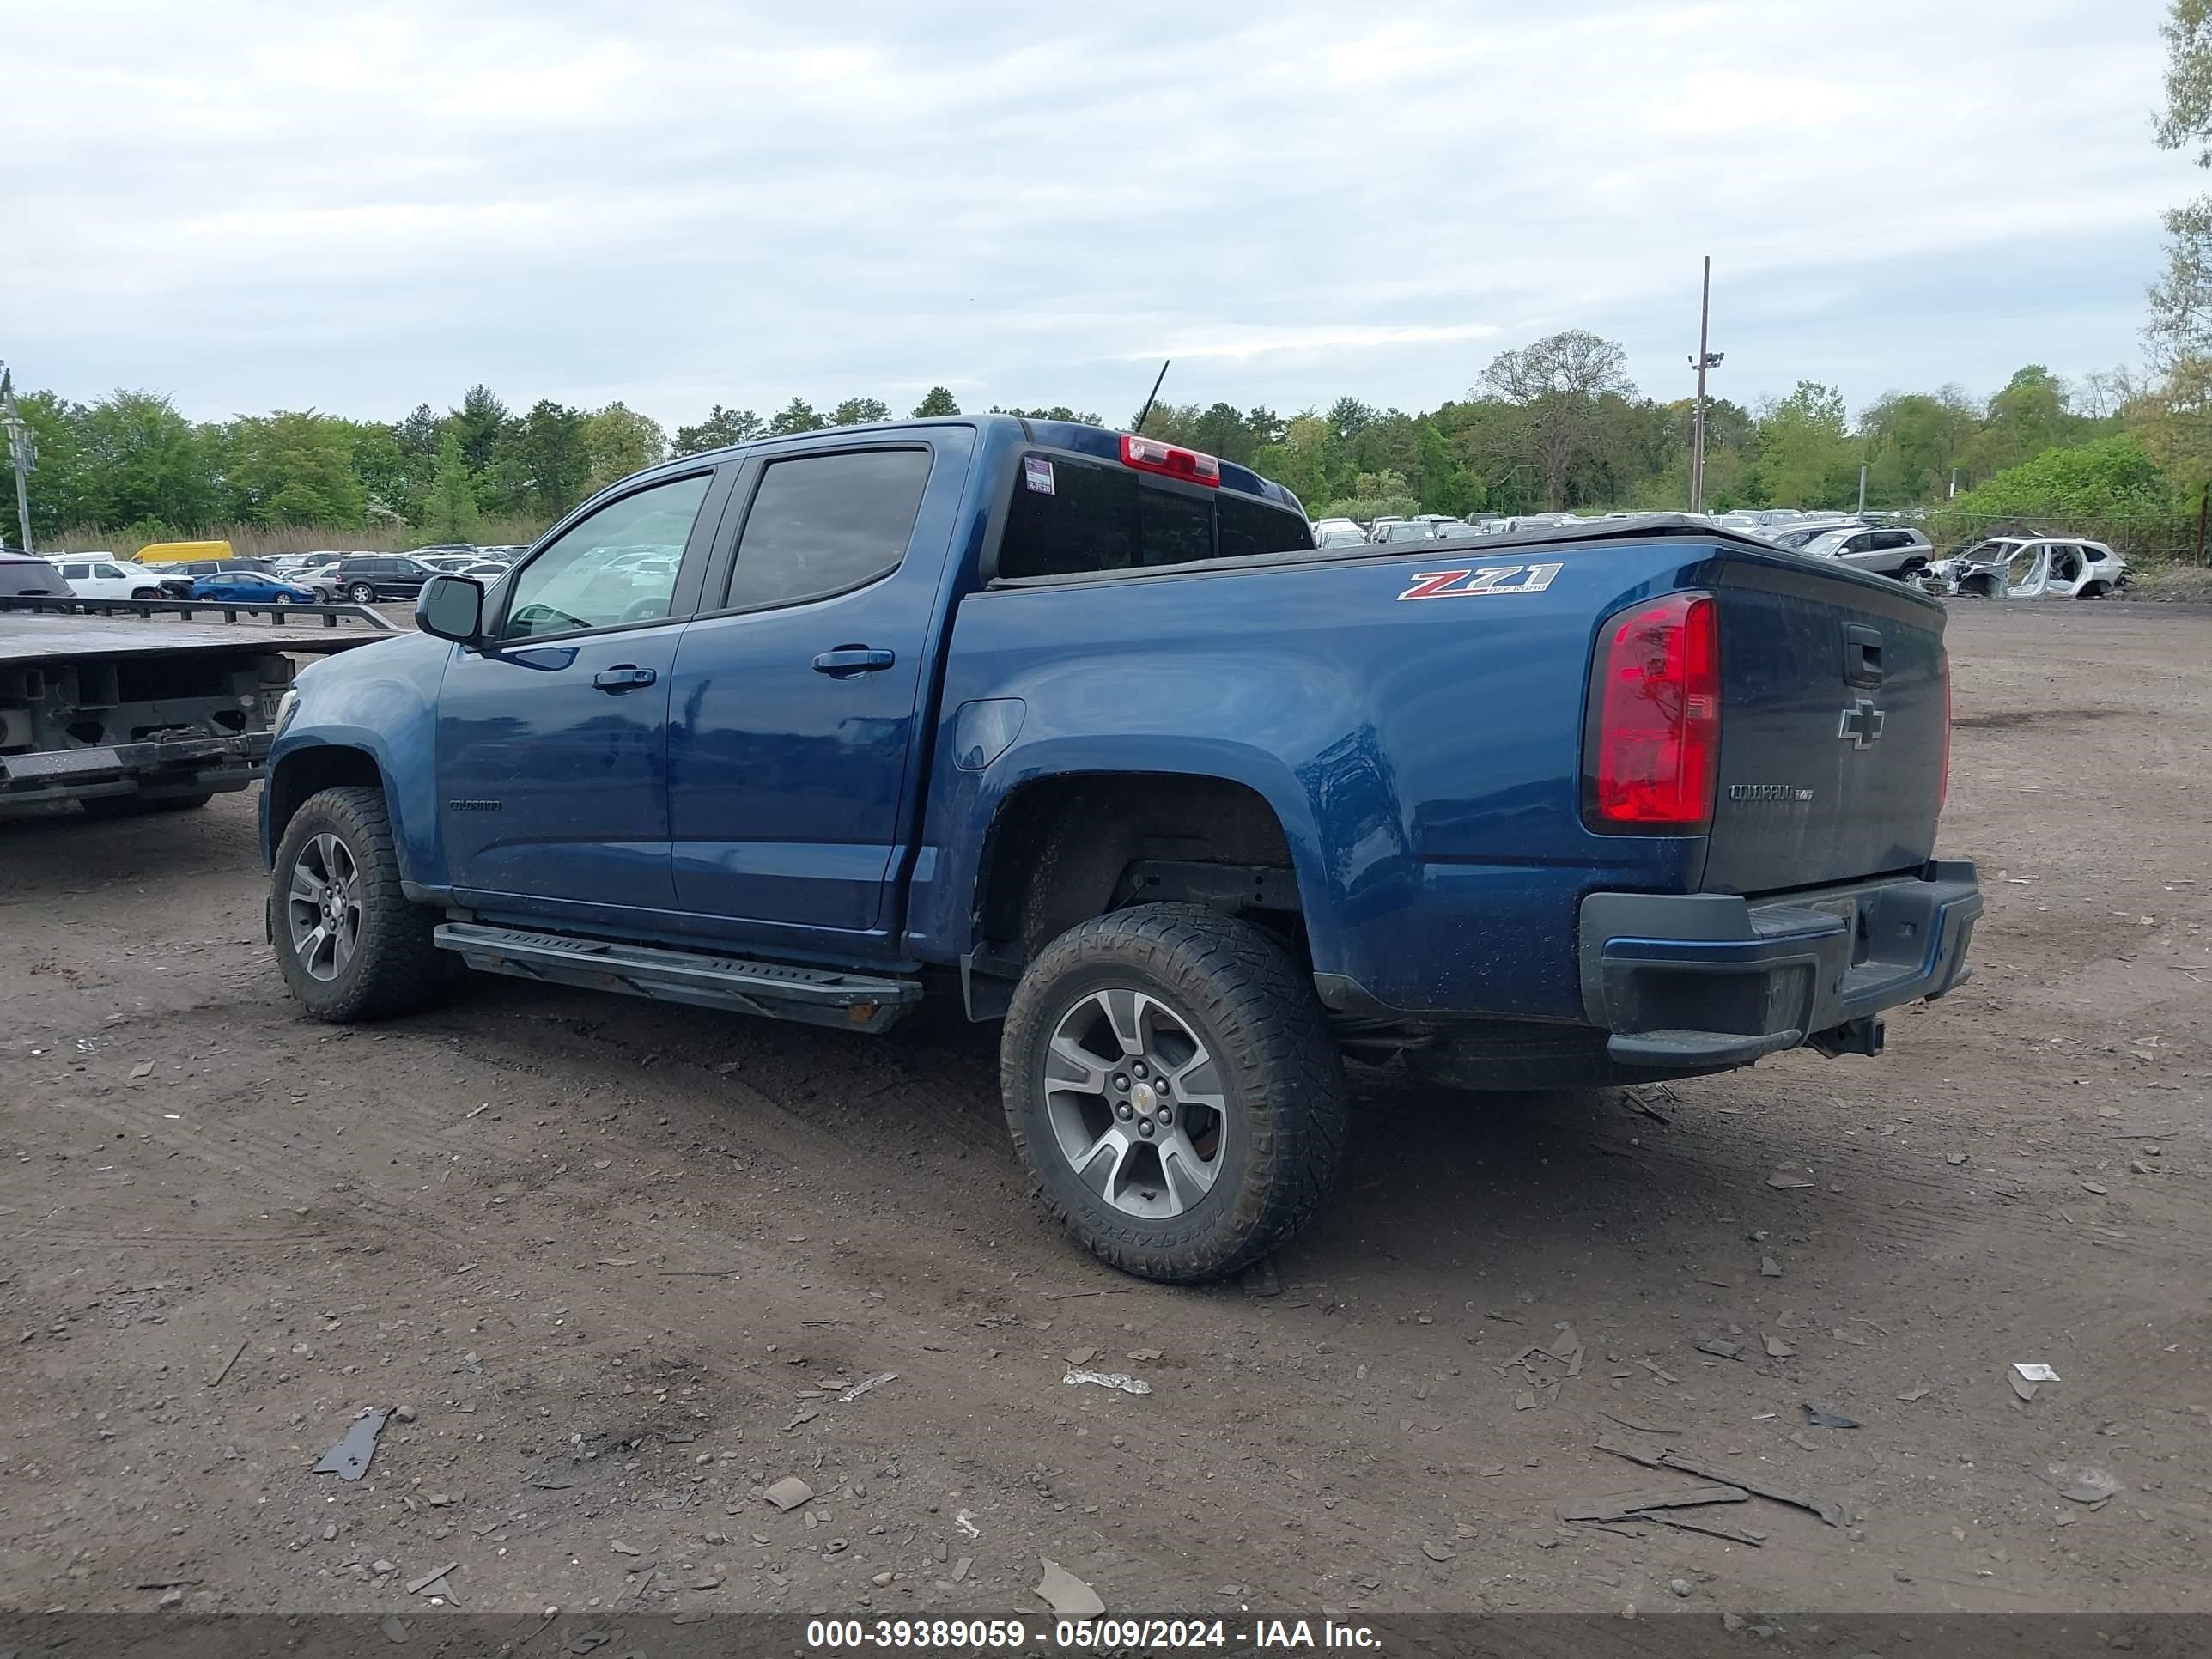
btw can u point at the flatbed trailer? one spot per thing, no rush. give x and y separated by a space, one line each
130 706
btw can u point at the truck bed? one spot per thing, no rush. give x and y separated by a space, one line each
34 639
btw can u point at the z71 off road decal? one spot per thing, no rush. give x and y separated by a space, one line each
1497 579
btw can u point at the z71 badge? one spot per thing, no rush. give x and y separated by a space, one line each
1497 579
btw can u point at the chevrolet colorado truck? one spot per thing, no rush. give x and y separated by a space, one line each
1081 728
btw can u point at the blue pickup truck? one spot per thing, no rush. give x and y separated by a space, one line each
1079 729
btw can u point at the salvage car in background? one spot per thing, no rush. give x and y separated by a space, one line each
98 576
2033 567
1888 550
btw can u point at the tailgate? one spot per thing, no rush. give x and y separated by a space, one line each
1833 727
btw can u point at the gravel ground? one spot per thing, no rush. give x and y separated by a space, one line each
614 1263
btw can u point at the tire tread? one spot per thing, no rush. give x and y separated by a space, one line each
1268 1018
400 967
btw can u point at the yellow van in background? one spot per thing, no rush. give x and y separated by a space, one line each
180 552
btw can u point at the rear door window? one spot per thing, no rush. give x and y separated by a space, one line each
822 524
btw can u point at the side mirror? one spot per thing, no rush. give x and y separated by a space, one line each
452 607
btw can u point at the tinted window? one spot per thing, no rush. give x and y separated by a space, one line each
1248 526
28 576
1100 517
822 524
618 566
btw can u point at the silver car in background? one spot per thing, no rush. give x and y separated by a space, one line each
1886 549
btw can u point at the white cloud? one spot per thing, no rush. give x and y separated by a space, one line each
253 206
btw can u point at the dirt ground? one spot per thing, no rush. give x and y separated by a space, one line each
614 1262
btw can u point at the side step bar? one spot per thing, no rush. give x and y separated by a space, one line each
776 990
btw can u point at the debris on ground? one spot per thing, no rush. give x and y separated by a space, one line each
433 1582
1435 1551
2085 1485
1788 1181
1628 1422
215 1381
1068 1596
1122 1380
1831 1513
966 1522
1817 1418
1769 1268
1720 1348
1261 1280
789 1494
2026 1379
1631 1505
1546 1365
395 1631
348 1455
865 1384
1776 1347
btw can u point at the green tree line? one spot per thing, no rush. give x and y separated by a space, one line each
1553 424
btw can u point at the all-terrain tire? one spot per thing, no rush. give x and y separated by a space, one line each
395 967
137 807
1282 1082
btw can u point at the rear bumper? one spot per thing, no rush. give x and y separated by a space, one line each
178 767
1706 980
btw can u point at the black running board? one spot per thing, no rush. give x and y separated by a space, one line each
776 990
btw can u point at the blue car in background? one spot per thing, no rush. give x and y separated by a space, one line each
250 587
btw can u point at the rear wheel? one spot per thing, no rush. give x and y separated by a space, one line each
137 807
1169 1080
362 594
145 592
351 944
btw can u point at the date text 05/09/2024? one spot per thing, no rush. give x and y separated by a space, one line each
1007 1635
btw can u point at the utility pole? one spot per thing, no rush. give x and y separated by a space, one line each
1704 360
22 450
1862 488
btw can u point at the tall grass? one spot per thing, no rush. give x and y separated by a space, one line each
259 541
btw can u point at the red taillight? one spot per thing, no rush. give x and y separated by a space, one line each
1656 703
1150 455
1943 789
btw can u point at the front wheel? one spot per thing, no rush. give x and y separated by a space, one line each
1169 1081
362 594
351 945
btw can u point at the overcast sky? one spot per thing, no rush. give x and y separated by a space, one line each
359 209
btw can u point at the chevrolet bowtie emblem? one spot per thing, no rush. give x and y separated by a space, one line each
1861 725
